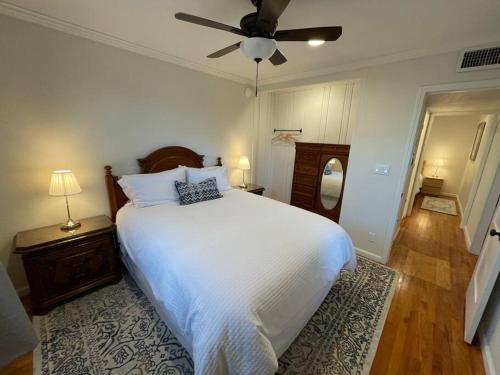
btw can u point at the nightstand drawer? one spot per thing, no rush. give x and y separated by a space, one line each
430 190
433 182
63 269
79 265
60 265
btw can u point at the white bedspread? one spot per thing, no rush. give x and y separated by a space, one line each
235 278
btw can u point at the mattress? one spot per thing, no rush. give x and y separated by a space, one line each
236 278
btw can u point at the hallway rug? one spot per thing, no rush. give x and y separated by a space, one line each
115 330
442 205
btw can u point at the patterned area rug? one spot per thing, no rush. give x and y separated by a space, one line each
445 206
115 330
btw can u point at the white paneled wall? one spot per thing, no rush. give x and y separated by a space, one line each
325 113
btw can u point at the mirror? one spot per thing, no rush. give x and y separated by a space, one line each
331 183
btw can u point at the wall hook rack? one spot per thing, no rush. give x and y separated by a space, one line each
288 130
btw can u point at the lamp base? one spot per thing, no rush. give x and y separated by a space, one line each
70 225
243 186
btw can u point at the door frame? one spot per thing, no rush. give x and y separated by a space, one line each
418 115
420 143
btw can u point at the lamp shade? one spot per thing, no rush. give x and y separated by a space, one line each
244 163
258 48
63 182
438 163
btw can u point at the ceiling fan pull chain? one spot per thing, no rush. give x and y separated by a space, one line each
257 60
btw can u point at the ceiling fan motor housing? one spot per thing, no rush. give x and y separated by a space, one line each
249 26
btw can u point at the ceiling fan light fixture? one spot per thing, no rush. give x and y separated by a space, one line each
315 42
258 48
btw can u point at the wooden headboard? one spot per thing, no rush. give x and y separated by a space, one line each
160 160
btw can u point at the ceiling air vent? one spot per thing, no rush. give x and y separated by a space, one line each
479 59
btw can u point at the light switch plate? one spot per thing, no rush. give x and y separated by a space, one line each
382 169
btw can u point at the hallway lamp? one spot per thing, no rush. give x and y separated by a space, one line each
437 163
62 184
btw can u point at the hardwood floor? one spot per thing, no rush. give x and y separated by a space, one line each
24 364
424 330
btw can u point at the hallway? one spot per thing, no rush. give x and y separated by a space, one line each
424 330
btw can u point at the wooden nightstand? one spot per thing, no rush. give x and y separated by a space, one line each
432 185
61 265
251 188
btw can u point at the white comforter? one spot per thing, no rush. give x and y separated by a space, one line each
236 278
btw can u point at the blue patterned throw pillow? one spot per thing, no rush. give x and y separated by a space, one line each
190 193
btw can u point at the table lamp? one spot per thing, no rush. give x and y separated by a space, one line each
437 163
64 183
244 165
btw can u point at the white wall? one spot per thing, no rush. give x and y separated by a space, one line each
490 332
450 139
382 133
325 113
67 102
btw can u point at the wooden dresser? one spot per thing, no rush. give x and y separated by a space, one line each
432 185
60 265
311 160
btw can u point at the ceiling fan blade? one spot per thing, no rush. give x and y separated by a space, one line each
328 33
269 12
224 51
208 23
277 58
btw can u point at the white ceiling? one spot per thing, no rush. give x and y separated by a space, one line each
465 101
373 31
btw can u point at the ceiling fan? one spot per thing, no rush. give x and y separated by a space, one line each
259 28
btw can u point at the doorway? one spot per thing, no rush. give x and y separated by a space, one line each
435 251
453 143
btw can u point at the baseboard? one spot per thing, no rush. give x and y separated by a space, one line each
449 195
396 232
467 238
369 255
23 291
489 367
460 209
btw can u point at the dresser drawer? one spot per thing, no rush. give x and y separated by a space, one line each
302 200
304 179
307 169
307 157
304 189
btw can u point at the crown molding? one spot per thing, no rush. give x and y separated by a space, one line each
84 32
388 59
81 31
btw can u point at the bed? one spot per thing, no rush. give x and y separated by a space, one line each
236 278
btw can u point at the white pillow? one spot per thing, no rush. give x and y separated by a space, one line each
152 188
196 175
